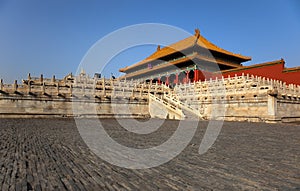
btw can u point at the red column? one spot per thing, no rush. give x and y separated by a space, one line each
187 76
158 80
176 79
196 78
167 80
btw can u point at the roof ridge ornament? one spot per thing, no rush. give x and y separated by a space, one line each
197 33
158 48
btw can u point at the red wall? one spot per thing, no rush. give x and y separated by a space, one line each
292 77
272 71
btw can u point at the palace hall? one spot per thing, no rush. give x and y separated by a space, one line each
197 59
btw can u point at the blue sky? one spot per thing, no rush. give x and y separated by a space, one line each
52 37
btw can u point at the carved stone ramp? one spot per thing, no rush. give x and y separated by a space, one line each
189 111
160 108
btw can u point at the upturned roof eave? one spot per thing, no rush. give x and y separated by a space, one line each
183 45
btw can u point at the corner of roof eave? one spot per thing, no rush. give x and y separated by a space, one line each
247 58
122 70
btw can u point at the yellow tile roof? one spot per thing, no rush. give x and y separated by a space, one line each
184 44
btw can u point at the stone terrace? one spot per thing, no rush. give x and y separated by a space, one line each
49 154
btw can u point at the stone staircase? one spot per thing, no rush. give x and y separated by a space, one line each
173 108
189 112
161 108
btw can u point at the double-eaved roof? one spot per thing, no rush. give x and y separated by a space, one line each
184 44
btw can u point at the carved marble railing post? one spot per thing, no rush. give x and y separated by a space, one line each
83 89
71 89
113 92
292 88
57 88
131 82
43 88
94 87
85 83
143 88
15 86
75 81
53 79
29 77
140 90
259 80
128 85
1 85
235 77
272 82
284 87
111 83
41 79
28 83
103 86
132 93
29 87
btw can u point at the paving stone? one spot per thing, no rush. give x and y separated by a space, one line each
49 154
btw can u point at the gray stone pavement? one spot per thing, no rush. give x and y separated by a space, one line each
49 154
